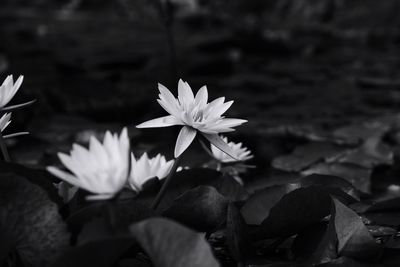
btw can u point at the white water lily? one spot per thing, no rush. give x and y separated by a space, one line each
195 115
8 89
102 169
146 168
5 121
242 153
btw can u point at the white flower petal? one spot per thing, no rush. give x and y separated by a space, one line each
160 122
219 110
185 94
5 121
217 141
201 97
64 176
185 138
101 170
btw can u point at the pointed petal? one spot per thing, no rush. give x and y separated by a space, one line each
219 110
64 176
185 93
185 138
18 106
217 141
201 97
228 123
165 121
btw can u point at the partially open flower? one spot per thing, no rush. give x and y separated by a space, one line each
242 153
146 168
8 89
5 121
194 114
102 169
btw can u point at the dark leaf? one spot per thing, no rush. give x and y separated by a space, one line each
327 246
312 242
37 177
238 237
230 188
384 218
387 205
201 208
30 222
355 174
299 209
101 253
186 180
354 239
370 154
330 181
172 245
306 155
344 261
258 206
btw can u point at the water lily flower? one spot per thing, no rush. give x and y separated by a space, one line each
8 89
5 121
102 169
195 115
242 153
146 168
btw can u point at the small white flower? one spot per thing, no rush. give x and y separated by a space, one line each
8 89
102 169
146 168
194 114
5 121
242 153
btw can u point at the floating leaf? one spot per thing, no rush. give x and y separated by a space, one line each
316 244
30 222
101 253
355 174
354 239
230 188
259 204
201 208
370 154
299 209
172 245
345 261
306 155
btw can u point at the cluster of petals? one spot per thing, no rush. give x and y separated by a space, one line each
242 153
103 168
194 114
8 89
145 168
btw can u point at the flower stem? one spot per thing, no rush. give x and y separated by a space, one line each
168 180
4 150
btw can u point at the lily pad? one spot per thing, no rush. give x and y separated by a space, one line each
29 222
201 208
354 239
172 245
306 155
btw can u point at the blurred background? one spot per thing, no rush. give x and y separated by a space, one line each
95 64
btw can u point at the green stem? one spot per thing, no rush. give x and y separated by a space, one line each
168 180
3 148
